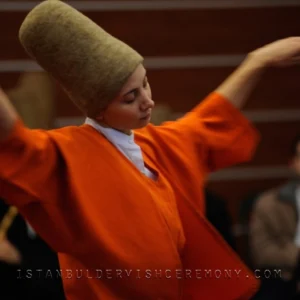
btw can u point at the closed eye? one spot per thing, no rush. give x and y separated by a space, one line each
130 96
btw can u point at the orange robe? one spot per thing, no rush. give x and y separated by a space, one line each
119 234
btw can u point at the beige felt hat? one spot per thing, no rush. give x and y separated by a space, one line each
89 63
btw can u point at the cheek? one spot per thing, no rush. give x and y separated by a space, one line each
149 92
124 114
127 115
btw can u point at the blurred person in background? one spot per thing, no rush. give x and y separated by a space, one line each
275 235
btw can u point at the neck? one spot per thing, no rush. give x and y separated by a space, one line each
105 125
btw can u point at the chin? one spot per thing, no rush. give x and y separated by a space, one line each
141 125
145 122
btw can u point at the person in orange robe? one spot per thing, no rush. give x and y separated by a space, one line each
117 197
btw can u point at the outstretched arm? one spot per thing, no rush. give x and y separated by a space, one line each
237 87
28 158
215 130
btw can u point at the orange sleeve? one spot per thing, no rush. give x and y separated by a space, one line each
219 128
28 162
230 137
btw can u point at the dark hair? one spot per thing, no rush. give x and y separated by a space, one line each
294 145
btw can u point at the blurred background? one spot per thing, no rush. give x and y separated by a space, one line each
190 47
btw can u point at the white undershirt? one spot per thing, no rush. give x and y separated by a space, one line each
125 144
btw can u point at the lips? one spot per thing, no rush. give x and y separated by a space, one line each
146 117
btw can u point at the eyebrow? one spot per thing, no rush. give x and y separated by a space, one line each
134 88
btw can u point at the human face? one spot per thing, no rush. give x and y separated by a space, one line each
132 108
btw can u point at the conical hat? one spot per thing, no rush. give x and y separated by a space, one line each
89 63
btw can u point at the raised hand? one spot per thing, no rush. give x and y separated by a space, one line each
285 52
238 86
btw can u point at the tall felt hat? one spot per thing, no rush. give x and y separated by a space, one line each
89 63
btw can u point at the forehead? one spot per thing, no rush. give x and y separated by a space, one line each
135 79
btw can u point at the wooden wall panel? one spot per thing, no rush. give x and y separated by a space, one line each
38 1
178 32
9 80
183 89
275 144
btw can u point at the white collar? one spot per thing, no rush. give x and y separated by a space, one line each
125 144
113 135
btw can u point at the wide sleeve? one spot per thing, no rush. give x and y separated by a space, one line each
227 135
214 129
29 166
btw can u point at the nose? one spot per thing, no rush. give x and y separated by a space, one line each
147 103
